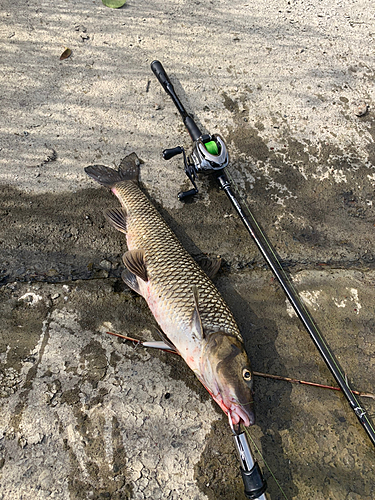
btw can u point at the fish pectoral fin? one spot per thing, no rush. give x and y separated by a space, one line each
130 279
117 217
196 322
209 266
134 260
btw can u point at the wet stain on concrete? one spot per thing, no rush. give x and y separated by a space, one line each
302 212
70 232
217 473
93 357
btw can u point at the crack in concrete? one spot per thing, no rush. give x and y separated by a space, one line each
30 376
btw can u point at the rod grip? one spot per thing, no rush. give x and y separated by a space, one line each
253 482
160 73
192 127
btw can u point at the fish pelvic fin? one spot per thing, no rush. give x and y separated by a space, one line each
209 266
134 261
196 322
117 218
109 177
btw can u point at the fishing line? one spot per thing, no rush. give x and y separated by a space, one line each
265 463
285 275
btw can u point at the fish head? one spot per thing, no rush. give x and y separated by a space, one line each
227 375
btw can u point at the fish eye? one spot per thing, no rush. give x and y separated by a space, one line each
246 374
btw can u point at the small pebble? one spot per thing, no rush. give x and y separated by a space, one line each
105 264
22 442
360 108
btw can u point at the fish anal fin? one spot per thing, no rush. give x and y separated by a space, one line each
117 218
165 339
209 266
160 345
134 261
130 279
196 322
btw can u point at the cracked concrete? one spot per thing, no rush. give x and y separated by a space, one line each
85 415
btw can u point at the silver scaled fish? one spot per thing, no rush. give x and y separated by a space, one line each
189 309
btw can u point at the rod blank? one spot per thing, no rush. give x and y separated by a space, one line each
317 337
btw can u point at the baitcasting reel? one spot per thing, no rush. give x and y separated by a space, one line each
209 155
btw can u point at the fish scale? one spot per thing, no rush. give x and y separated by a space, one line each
171 270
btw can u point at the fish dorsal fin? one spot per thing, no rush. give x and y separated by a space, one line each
209 266
134 260
196 323
130 279
117 217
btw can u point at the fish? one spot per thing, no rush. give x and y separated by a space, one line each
194 319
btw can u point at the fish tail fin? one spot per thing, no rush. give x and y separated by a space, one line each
107 176
129 168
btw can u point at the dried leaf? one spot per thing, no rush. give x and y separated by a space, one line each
114 4
67 53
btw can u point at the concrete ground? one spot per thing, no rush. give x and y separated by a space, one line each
290 86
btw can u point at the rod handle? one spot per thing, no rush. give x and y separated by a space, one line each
192 127
165 82
160 73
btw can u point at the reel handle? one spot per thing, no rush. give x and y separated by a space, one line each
186 194
170 153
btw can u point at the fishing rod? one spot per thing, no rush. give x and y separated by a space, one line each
210 156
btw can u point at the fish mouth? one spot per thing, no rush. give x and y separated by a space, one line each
240 415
